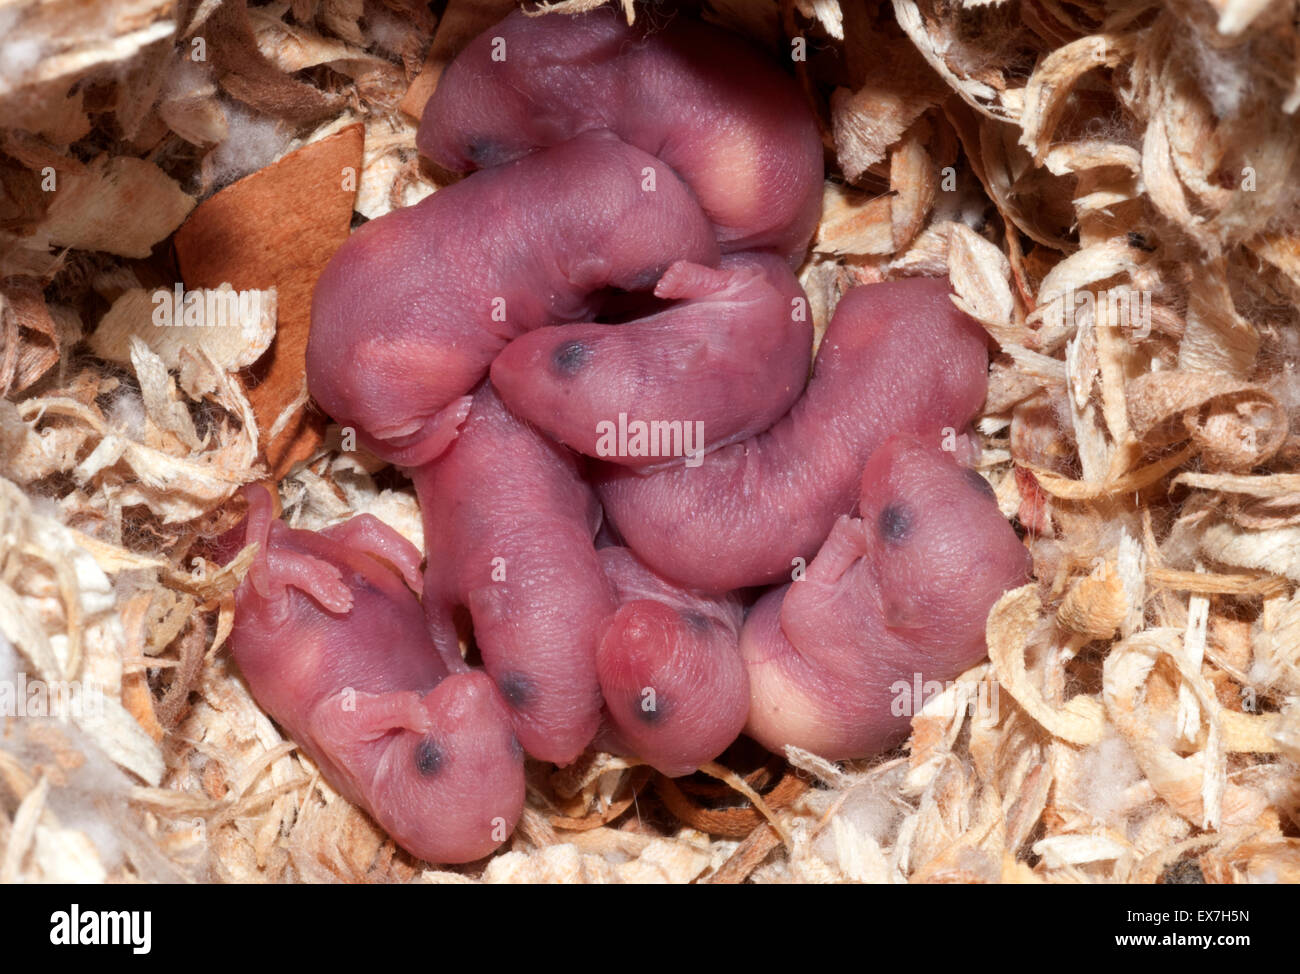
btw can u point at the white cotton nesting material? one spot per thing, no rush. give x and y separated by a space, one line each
872 812
1106 772
387 31
85 797
1222 75
254 142
19 55
126 414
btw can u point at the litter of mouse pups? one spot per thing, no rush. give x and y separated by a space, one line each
1114 195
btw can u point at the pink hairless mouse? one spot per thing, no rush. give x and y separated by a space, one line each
723 116
419 303
676 692
509 525
901 591
723 363
332 641
482 341
896 357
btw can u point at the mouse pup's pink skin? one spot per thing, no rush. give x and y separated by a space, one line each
895 599
723 115
509 523
332 640
676 691
409 314
896 357
723 363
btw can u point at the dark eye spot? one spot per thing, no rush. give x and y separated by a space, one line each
979 483
428 757
517 689
695 620
651 716
644 280
483 152
360 585
895 523
569 357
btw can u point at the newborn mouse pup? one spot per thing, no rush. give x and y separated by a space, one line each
901 592
332 641
410 312
676 692
509 524
722 114
896 357
723 363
